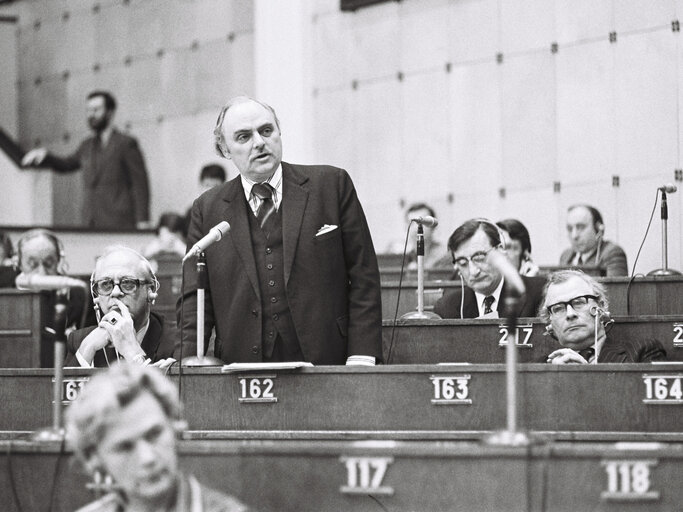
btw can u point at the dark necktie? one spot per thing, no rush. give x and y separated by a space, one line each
488 302
587 353
265 193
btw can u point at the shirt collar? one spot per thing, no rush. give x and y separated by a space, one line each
274 181
496 295
105 135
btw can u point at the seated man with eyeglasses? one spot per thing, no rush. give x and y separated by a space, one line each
575 308
486 290
123 288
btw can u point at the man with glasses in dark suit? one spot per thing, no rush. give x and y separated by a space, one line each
576 310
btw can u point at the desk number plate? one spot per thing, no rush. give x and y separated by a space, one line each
678 335
522 335
257 389
663 389
71 388
629 480
451 389
364 475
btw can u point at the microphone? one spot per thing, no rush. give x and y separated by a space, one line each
512 278
668 188
214 235
427 220
41 282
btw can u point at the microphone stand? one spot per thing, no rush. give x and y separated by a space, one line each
420 314
200 359
665 270
510 436
56 432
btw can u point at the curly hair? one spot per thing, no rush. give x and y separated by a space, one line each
103 397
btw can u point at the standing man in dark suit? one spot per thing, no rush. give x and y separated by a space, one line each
296 277
486 290
586 229
576 309
117 191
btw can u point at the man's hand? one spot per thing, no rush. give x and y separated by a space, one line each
97 339
34 157
566 356
164 364
119 326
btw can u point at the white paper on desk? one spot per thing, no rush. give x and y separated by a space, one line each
250 367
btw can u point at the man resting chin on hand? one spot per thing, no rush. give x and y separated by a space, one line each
124 288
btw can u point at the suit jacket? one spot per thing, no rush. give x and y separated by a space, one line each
332 281
117 192
631 350
612 259
448 306
157 344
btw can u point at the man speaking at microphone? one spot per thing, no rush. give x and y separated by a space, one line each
296 277
123 287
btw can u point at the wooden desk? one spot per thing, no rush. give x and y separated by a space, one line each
425 476
648 295
23 343
594 402
483 340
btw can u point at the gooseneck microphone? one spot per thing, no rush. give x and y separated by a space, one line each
669 188
41 282
214 235
427 220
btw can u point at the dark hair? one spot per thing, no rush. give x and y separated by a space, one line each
172 221
7 246
420 206
467 230
109 101
212 171
517 231
595 214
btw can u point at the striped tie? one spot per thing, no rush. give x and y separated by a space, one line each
265 193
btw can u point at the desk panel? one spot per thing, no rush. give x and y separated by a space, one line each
22 340
384 475
483 340
444 401
648 295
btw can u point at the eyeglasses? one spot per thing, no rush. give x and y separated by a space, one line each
579 303
477 258
126 284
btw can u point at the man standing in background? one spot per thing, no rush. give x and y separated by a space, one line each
117 191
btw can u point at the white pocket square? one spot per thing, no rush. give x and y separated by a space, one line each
326 229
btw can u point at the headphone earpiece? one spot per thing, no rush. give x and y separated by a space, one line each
549 331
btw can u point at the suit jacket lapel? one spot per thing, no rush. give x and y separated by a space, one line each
150 343
235 212
294 199
503 295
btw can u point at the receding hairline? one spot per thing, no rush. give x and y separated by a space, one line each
132 253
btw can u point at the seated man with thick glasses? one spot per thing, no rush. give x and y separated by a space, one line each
486 290
123 288
575 308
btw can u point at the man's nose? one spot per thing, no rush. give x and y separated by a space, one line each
116 291
571 312
145 453
473 268
258 140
